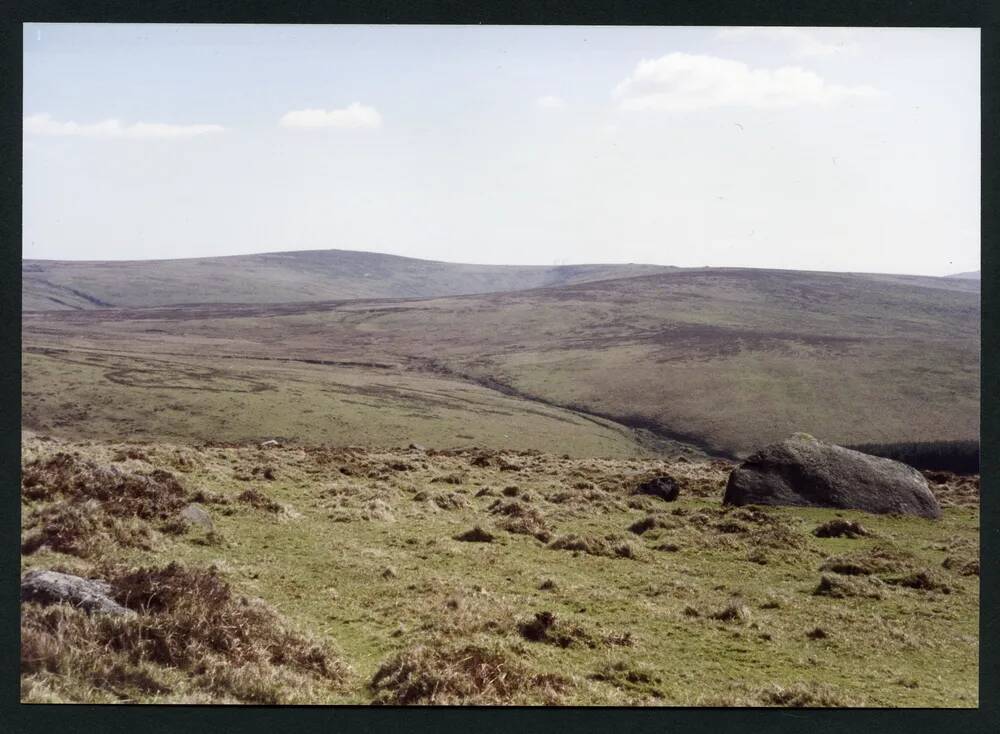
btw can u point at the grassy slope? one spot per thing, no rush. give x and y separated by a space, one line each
368 563
281 277
731 359
108 395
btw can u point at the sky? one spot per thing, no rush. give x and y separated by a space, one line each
816 149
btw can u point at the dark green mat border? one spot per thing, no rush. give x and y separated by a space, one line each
15 717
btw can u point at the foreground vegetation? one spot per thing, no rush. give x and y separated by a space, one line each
412 576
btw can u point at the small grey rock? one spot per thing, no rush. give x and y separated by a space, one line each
52 587
197 515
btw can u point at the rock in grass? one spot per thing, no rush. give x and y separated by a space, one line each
52 587
197 515
803 471
664 487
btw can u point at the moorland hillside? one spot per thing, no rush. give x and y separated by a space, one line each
723 359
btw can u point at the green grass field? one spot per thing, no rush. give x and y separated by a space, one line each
109 395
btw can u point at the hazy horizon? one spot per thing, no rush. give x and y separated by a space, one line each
838 150
477 264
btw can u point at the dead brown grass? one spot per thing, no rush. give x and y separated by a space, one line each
548 628
648 523
610 546
962 565
442 674
838 587
82 529
628 676
801 695
954 490
921 580
735 611
91 506
878 559
188 620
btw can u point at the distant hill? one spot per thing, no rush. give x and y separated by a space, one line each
283 277
970 275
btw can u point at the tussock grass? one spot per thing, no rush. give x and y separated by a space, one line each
875 560
441 673
627 676
527 526
548 628
837 587
802 695
921 580
258 500
963 565
476 535
735 611
450 501
610 546
649 523
795 695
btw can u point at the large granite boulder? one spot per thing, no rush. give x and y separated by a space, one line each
804 471
52 587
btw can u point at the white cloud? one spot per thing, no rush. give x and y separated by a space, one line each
549 102
43 124
680 81
801 42
355 115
